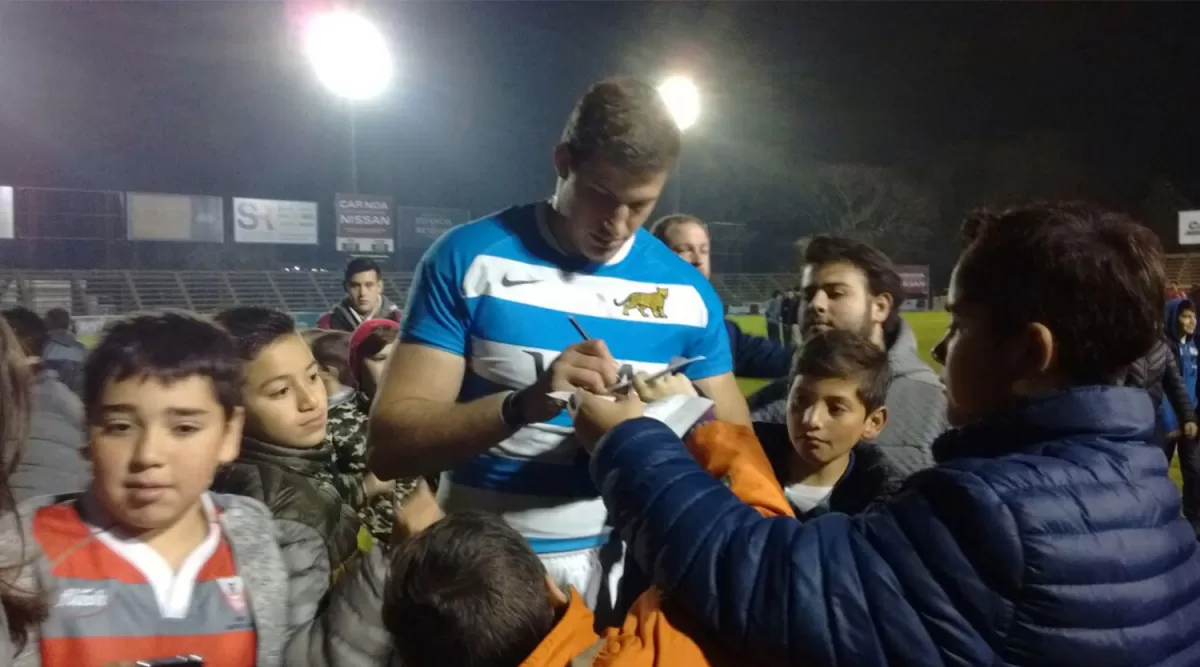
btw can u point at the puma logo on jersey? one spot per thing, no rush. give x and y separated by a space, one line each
646 303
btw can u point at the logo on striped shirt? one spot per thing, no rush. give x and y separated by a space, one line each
234 591
83 597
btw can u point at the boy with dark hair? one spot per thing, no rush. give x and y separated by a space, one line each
851 286
467 589
147 564
53 462
364 300
285 460
1048 533
839 383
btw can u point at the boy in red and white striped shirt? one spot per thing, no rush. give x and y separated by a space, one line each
147 563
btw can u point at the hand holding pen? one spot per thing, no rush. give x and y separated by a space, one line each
585 365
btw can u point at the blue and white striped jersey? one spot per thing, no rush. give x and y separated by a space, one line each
498 292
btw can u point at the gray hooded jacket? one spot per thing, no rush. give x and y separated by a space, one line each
53 461
916 403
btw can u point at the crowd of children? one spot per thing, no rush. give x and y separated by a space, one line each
230 515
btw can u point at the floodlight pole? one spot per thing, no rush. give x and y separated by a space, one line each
679 185
353 147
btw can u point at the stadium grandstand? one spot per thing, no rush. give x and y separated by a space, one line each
106 293
1183 269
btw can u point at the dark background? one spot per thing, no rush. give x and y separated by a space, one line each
965 103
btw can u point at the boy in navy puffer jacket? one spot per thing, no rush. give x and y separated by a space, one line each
1048 533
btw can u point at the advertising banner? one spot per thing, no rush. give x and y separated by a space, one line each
164 217
915 278
6 212
420 227
916 285
274 221
1189 227
364 224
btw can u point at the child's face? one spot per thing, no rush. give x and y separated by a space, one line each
985 373
1187 321
155 447
375 367
286 403
826 419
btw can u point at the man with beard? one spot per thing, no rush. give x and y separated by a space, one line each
364 300
851 286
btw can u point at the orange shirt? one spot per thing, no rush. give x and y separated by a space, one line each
650 636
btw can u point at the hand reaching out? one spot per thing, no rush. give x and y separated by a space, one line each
671 385
597 415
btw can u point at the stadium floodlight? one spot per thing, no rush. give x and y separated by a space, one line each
683 100
349 54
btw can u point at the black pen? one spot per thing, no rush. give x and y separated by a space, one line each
575 323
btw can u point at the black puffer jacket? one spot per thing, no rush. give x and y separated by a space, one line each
296 485
1158 374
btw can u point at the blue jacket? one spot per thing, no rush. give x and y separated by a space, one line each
757 356
1050 535
1184 347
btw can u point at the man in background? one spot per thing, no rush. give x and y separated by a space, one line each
753 356
63 351
364 299
850 285
773 313
789 311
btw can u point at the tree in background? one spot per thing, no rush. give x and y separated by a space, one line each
881 206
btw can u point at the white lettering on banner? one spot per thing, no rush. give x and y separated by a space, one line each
1189 227
432 227
379 220
364 224
359 203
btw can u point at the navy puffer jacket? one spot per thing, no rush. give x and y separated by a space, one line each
1048 536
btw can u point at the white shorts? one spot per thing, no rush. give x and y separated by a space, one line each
595 573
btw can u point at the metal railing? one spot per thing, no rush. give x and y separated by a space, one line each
116 292
1182 269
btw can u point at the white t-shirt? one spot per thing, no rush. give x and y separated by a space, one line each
805 497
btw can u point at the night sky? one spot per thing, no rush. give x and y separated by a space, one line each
216 98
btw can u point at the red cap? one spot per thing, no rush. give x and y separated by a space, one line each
360 334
